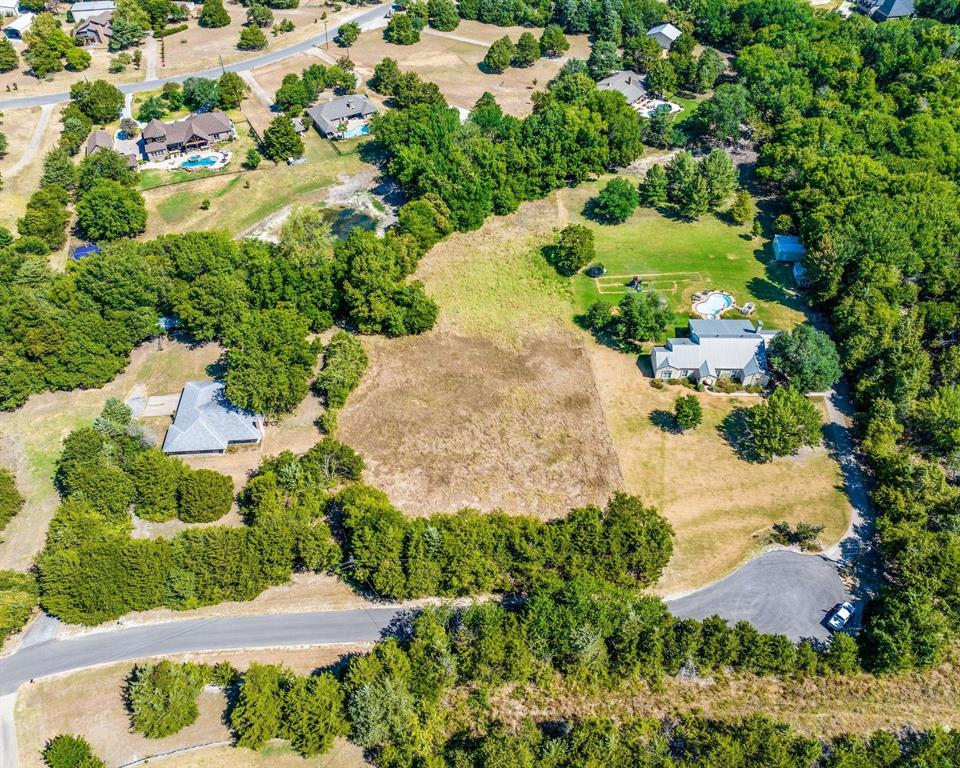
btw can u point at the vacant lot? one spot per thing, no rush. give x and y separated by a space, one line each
452 61
60 82
678 258
236 207
19 126
91 703
720 506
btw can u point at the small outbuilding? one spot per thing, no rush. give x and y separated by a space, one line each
88 8
17 28
8 8
82 251
206 422
788 248
665 34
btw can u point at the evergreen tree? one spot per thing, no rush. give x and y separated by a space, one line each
742 208
653 188
694 198
214 15
680 172
603 59
129 25
280 140
658 130
527 50
720 176
9 60
499 56
662 78
252 39
232 89
59 170
687 412
401 30
553 43
443 15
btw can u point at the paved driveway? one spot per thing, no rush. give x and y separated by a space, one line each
780 591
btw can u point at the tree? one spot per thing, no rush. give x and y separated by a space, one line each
603 59
658 130
553 43
104 164
252 159
200 93
662 78
11 502
59 170
641 52
400 30
70 752
527 50
313 714
109 211
252 39
937 419
723 115
642 316
680 172
281 141
742 209
129 25
9 60
499 56
77 59
709 67
347 34
804 358
214 15
46 216
687 412
385 76
573 249
653 188
616 201
782 425
153 108
46 45
443 15
720 176
163 697
99 100
156 481
260 16
256 717
203 496
232 89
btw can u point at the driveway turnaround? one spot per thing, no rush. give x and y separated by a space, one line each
367 17
781 591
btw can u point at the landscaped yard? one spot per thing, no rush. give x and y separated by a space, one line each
235 207
677 258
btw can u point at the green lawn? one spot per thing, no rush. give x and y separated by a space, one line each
678 258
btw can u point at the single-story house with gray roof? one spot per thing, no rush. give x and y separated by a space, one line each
352 111
883 10
714 349
87 8
95 30
665 35
206 422
630 84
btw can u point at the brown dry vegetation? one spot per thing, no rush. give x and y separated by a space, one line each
816 706
19 126
91 703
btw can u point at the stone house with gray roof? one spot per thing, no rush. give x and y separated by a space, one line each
194 132
95 30
715 349
206 422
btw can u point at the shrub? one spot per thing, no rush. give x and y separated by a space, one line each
344 362
11 502
572 251
163 697
616 201
687 412
204 495
70 752
18 598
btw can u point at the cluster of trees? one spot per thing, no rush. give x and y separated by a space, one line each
859 140
296 93
505 53
261 300
198 94
18 598
162 697
495 161
11 502
640 316
344 361
49 49
470 552
405 89
91 570
693 187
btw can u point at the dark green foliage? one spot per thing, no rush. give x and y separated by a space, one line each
11 502
347 34
99 100
203 496
252 39
70 752
344 361
9 59
641 317
401 30
313 713
526 51
687 412
782 425
59 170
232 90
156 479
256 717
109 210
152 108
615 202
103 164
18 598
443 15
261 16
603 59
572 251
199 93
653 188
214 14
162 697
280 140
499 56
805 358
46 216
553 43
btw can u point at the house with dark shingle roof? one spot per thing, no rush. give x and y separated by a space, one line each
98 140
344 110
196 131
630 84
715 349
206 422
95 30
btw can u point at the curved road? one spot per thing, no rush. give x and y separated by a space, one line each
364 18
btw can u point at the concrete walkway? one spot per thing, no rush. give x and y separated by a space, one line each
30 152
258 90
451 36
151 52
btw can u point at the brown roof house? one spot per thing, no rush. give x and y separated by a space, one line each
197 131
103 140
96 30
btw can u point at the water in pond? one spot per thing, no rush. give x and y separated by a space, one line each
343 220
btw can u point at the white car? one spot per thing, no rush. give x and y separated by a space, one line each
841 615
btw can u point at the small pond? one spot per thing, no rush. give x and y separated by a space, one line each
343 220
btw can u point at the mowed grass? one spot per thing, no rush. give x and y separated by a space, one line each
678 258
721 507
235 207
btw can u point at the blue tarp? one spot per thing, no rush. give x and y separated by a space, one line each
82 251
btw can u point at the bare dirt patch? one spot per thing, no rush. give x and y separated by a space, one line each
447 421
91 703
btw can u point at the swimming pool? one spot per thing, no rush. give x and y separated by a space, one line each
714 305
360 130
199 161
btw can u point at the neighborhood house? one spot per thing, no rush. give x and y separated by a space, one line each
344 117
103 140
89 8
196 131
629 84
96 30
715 349
882 10
206 422
665 34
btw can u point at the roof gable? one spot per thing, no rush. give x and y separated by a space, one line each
207 421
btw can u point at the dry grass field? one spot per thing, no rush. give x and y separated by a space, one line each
19 126
91 703
60 82
451 60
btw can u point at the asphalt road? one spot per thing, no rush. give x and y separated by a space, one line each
362 19
781 591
